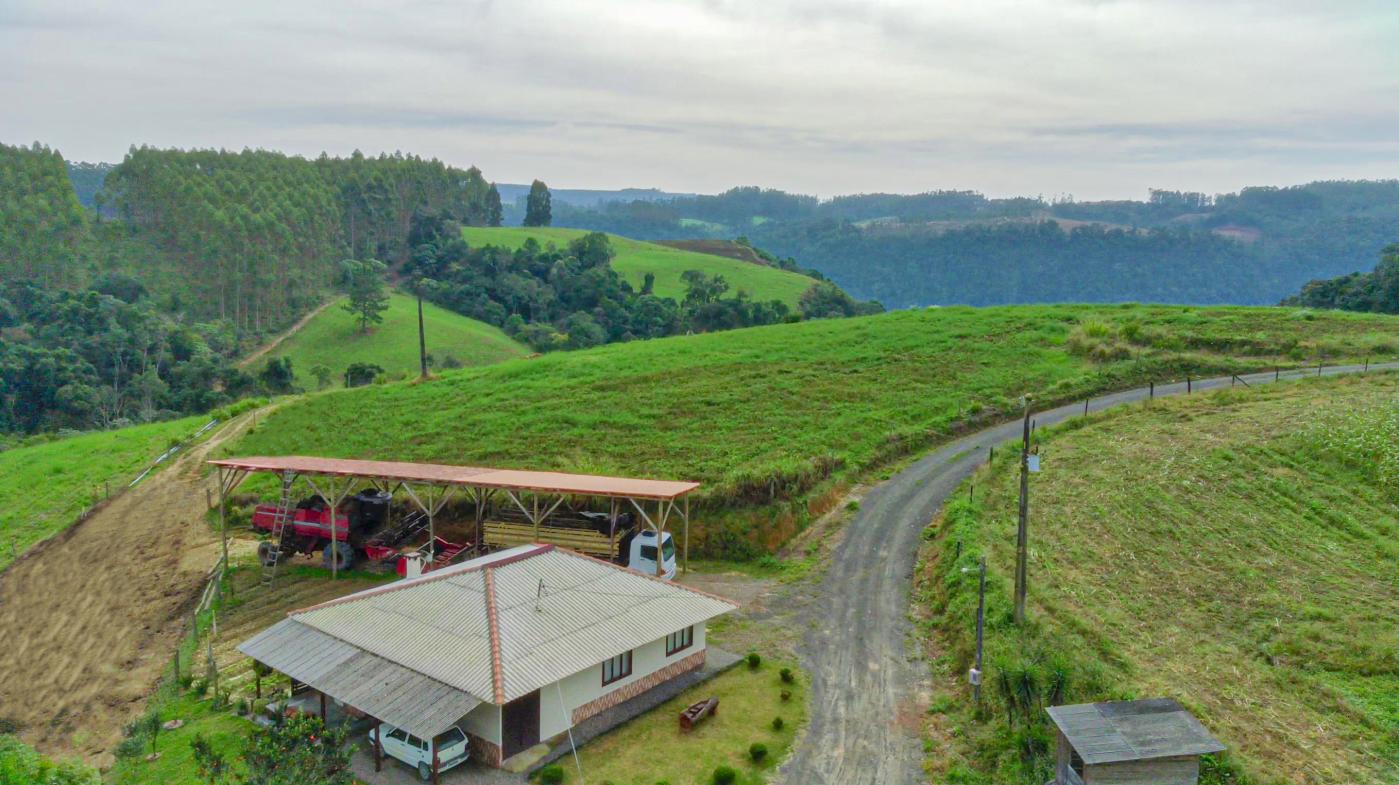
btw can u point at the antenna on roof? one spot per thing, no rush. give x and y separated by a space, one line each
539 595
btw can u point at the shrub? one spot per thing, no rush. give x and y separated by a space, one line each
199 686
778 723
786 695
130 747
724 775
754 660
787 676
757 751
551 774
242 706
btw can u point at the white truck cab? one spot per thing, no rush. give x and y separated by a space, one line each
452 749
642 557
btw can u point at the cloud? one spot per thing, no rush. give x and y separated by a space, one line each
823 96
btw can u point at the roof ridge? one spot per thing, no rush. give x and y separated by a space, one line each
640 574
431 577
493 617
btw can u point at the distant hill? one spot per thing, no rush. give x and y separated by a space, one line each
636 258
961 247
333 339
763 416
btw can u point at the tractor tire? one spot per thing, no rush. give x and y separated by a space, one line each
266 553
342 554
424 772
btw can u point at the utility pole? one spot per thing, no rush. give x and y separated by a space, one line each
422 336
980 625
1022 533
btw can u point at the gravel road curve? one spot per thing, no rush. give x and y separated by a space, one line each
867 691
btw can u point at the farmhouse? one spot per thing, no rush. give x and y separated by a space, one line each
515 647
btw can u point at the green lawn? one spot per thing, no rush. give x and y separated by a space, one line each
652 748
333 339
770 413
635 258
1235 550
175 766
43 487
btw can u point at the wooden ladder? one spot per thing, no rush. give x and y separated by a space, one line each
284 520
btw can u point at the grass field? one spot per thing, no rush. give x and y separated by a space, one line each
1238 551
43 487
635 258
333 339
767 414
653 749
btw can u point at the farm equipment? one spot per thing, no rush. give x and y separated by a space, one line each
359 529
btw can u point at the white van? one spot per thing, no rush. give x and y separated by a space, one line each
452 749
642 556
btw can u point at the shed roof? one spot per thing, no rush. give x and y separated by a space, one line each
474 476
1132 730
385 690
503 625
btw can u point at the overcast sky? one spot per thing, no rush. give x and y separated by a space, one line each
1094 98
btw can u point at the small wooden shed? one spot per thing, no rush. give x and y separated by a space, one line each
1137 742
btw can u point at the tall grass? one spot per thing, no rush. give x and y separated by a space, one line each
1234 550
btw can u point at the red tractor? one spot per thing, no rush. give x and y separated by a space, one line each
359 530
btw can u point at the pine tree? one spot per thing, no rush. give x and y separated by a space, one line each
538 211
368 298
495 214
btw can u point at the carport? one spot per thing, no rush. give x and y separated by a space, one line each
383 690
513 506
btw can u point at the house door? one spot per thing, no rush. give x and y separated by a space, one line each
520 725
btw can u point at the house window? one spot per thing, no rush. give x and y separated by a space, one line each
679 641
617 668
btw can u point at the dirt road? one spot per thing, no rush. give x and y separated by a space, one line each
91 618
272 345
868 691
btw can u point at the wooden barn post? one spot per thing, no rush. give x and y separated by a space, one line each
378 745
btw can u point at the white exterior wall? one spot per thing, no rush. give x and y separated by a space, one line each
483 722
586 685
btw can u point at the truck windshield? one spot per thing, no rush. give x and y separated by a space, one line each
649 551
449 737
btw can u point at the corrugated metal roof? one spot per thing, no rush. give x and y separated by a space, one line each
472 476
439 624
1132 730
383 689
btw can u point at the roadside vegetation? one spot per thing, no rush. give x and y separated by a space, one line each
769 419
21 765
45 485
636 258
332 341
1234 550
652 748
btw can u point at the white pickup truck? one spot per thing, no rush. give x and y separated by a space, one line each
452 749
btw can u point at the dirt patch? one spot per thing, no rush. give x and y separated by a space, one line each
89 620
726 248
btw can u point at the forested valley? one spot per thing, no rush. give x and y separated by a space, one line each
1256 246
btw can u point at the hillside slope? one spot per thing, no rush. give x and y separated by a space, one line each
636 258
1234 550
333 338
43 487
769 413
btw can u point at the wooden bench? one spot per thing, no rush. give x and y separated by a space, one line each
500 534
698 711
